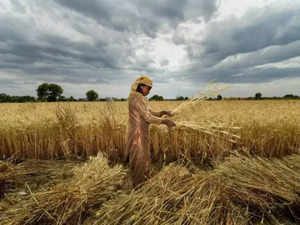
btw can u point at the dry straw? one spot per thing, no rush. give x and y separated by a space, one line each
10 174
212 90
7 173
220 133
198 139
68 203
190 107
240 191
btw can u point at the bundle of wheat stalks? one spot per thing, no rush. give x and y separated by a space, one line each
240 191
213 131
192 138
68 203
191 141
10 173
214 128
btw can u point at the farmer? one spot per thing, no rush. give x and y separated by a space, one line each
140 117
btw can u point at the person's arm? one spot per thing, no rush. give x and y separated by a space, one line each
145 113
157 114
161 113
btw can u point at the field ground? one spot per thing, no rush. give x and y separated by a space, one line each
226 162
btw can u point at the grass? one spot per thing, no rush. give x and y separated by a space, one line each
226 162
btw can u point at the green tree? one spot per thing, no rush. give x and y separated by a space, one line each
43 91
291 96
62 98
25 98
156 98
72 99
4 97
49 92
258 96
180 98
92 95
55 91
219 97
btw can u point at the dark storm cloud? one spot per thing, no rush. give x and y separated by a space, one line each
243 75
141 16
231 50
63 56
52 55
13 29
34 52
261 75
272 54
256 30
99 41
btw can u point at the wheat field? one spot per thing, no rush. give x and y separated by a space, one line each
226 162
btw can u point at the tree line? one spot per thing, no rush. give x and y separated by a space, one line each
50 92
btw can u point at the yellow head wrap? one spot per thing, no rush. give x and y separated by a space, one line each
141 80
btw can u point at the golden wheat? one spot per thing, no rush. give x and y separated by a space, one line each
67 203
240 191
205 129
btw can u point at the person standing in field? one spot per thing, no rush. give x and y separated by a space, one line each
140 117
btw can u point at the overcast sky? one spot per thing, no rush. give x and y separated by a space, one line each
249 46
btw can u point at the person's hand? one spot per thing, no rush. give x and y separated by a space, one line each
168 113
169 123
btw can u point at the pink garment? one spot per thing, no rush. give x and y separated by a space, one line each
138 142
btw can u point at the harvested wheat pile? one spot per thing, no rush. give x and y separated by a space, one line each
11 173
240 191
37 173
158 197
68 203
6 173
247 191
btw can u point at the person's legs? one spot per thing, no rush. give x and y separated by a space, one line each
140 165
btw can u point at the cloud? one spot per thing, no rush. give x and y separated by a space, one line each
258 29
103 42
136 16
77 40
242 50
36 51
